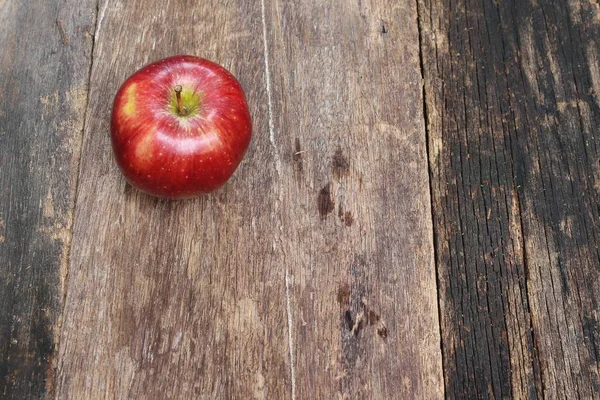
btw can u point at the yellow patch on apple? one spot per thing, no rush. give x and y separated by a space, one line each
144 150
129 107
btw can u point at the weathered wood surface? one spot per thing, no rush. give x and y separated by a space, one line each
175 300
45 52
353 196
512 103
312 274
151 289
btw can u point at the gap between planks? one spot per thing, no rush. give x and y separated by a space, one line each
430 180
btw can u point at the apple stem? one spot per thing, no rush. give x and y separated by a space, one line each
180 109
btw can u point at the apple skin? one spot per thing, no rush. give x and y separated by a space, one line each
180 152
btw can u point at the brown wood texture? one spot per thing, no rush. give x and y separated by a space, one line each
512 107
45 52
151 290
175 300
354 198
417 216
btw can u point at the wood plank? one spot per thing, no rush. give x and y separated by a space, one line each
185 299
45 60
355 207
512 107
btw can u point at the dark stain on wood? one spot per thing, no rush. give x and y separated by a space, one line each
325 203
356 314
345 216
343 295
297 158
513 150
383 29
355 317
382 331
349 321
340 164
351 327
44 92
348 219
372 316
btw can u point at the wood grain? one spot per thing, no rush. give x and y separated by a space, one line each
513 110
355 208
45 60
175 300
312 274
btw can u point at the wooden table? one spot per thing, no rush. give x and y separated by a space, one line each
417 216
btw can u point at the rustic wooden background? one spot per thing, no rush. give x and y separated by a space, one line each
417 216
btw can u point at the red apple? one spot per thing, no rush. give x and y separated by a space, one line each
180 127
